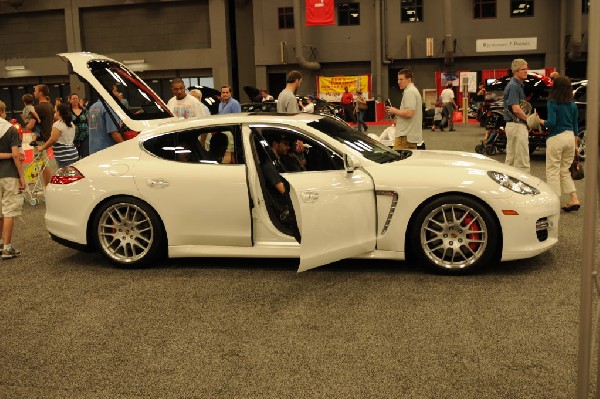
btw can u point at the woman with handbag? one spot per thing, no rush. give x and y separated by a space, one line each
361 107
561 143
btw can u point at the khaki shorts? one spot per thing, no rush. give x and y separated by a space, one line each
401 143
12 197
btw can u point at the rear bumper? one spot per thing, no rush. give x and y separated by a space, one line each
71 244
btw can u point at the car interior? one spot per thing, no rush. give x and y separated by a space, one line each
279 207
216 145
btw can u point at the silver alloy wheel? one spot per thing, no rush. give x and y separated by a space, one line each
453 236
125 232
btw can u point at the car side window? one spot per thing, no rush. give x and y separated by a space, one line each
212 145
312 154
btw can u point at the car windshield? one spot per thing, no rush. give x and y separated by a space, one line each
133 95
368 147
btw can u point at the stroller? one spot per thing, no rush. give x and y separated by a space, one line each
495 143
34 178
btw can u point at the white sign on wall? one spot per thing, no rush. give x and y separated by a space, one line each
471 79
514 44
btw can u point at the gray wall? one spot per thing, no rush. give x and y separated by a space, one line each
180 36
139 28
172 35
355 45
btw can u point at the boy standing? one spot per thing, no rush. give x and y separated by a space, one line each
12 181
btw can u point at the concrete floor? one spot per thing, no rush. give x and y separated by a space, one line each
72 326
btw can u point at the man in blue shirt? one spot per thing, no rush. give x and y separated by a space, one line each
517 135
103 130
228 105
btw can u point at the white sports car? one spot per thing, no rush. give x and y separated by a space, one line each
169 192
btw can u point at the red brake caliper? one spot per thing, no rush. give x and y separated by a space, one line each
473 236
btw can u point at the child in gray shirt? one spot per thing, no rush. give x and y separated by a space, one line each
29 113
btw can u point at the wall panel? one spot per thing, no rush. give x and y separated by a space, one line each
144 28
35 34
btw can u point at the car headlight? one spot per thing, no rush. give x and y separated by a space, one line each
512 184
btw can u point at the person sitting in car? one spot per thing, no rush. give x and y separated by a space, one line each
217 147
281 147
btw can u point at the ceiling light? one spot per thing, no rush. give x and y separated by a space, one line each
14 67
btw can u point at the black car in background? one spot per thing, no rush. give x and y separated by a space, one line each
580 98
536 88
321 106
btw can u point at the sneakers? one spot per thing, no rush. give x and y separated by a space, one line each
10 253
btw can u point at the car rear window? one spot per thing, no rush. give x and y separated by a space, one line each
142 103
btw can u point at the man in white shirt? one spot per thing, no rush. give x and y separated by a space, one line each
198 95
182 104
409 117
265 96
310 105
448 104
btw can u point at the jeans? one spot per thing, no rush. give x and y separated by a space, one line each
361 121
448 115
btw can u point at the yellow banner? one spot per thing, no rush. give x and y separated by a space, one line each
331 88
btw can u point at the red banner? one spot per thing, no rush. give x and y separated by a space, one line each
319 12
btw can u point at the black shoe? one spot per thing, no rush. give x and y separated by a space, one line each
571 208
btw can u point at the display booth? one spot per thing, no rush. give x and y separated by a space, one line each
331 88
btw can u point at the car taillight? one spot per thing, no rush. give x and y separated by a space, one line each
66 175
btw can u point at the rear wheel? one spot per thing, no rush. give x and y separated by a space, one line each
490 150
454 235
129 232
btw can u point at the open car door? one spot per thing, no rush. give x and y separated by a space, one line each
336 215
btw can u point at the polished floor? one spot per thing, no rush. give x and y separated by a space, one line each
72 326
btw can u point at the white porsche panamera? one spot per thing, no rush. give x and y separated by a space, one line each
162 193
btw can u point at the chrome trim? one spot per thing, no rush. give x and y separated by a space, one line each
394 196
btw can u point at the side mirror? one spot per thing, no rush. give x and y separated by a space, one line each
350 163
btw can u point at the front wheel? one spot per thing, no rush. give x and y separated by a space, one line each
454 235
129 232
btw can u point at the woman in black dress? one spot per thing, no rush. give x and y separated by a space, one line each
80 120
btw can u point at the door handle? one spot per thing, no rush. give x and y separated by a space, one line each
157 183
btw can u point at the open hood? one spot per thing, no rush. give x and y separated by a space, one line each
145 109
253 93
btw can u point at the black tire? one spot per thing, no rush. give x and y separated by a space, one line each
581 146
129 232
454 235
479 148
490 150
